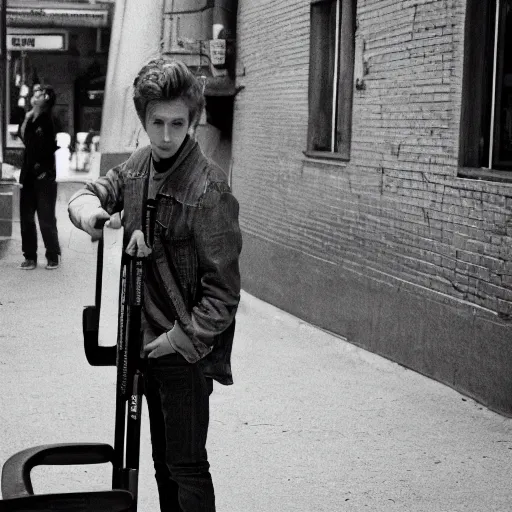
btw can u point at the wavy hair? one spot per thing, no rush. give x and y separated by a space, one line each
168 79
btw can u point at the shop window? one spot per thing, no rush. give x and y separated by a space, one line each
331 72
486 115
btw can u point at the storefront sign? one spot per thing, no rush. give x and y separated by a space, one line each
35 42
44 17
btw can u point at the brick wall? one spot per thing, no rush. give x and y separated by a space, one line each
397 209
392 249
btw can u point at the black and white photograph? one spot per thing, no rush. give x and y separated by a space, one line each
255 255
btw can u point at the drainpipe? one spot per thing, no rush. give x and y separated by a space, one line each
3 64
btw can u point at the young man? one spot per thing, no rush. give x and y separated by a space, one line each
37 177
193 236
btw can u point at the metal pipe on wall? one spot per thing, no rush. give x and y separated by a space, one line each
3 64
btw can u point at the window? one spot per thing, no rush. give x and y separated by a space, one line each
486 116
331 72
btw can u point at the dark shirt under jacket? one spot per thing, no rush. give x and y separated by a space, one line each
40 146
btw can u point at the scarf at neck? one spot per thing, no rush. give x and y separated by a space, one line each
166 163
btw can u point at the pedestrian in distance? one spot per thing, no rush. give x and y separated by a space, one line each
178 212
38 192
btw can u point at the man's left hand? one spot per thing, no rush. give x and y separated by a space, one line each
159 347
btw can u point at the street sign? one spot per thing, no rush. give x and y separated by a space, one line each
36 42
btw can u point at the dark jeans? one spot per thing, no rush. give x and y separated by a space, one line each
177 394
39 197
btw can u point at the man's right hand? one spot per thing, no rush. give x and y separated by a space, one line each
97 218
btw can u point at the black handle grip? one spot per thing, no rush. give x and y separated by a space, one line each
16 470
96 355
100 223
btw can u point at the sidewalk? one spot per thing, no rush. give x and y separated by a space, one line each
312 423
65 171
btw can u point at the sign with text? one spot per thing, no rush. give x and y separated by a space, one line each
36 42
55 17
218 52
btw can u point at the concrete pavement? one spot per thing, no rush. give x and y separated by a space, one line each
312 423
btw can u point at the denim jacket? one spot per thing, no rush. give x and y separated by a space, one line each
196 238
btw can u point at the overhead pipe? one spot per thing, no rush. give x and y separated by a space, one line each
170 7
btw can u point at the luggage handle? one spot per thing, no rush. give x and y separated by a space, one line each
107 501
16 480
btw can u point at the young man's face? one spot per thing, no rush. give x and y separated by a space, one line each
166 125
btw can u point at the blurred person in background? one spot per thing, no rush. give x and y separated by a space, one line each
37 178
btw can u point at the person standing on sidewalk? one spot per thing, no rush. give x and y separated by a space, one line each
192 244
38 180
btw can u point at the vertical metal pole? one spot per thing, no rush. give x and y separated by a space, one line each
335 78
98 40
494 76
3 79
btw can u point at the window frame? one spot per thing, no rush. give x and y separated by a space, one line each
343 74
479 133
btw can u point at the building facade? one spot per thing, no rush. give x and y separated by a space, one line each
371 152
371 159
201 34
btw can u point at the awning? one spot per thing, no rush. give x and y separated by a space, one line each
56 14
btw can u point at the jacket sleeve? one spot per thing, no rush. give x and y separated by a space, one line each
106 192
44 145
218 243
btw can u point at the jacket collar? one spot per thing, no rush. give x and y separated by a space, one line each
137 164
186 180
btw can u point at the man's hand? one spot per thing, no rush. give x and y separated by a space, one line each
95 219
159 347
137 245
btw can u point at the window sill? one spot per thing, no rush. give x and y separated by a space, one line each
324 155
485 174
